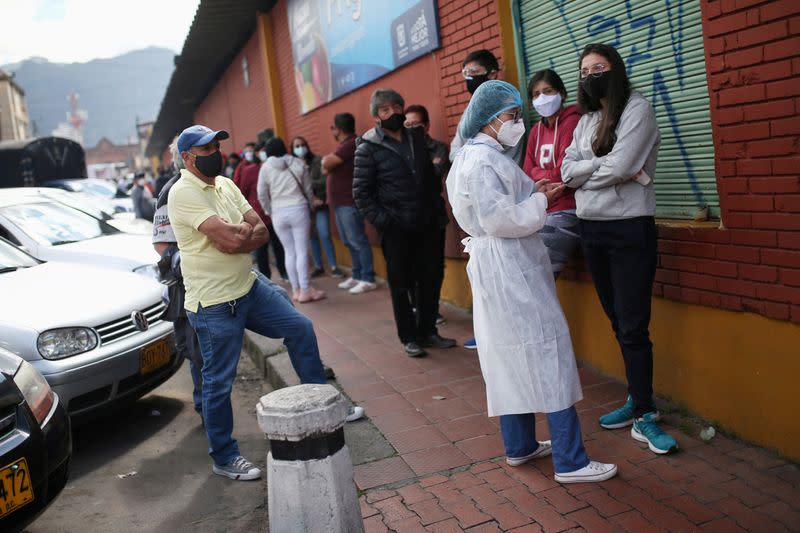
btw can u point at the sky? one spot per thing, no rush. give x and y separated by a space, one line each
66 31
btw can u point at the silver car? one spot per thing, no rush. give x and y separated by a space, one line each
95 334
50 230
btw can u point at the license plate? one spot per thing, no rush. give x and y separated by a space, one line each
154 356
15 487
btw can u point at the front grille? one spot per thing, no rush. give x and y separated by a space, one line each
124 327
90 399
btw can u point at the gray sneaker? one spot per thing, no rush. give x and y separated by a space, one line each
239 469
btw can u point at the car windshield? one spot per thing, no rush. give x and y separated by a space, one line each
99 188
12 258
54 224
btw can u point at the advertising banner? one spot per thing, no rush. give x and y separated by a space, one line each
341 45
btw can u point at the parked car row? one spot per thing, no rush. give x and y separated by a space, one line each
80 332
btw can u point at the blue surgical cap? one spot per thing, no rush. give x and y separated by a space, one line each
492 98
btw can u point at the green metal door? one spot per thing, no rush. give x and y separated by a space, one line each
661 42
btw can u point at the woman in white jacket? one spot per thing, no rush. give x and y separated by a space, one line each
523 341
284 191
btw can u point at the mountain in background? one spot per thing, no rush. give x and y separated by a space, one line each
113 91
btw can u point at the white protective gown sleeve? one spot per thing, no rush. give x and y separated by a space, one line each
524 345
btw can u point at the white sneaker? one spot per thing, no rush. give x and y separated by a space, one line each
362 287
545 448
349 283
590 473
355 412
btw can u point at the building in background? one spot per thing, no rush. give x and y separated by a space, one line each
722 77
109 160
73 127
14 121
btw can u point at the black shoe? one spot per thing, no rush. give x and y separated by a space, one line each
329 373
437 341
413 350
317 272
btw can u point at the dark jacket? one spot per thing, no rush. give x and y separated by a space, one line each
390 191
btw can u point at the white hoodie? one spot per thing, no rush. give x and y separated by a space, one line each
278 180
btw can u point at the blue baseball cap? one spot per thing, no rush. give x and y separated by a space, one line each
199 135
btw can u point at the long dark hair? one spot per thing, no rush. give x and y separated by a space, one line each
309 157
619 90
552 78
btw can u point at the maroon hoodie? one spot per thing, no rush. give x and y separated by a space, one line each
246 178
552 141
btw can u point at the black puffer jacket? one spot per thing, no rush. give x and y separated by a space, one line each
390 192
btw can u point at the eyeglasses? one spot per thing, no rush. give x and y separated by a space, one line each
414 124
469 72
516 116
594 70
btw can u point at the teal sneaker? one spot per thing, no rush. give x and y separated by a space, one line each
619 418
646 430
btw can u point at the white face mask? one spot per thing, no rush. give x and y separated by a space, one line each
248 156
547 105
262 155
510 132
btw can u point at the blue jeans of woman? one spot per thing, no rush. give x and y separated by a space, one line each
267 311
350 224
519 438
322 222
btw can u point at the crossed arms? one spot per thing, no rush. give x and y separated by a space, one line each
235 238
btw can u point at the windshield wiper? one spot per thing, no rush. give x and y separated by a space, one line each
3 270
61 242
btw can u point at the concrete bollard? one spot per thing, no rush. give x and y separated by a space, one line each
309 471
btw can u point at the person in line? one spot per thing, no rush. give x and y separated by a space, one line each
524 344
610 164
169 265
246 179
321 217
477 68
143 203
249 148
417 117
395 187
547 143
232 163
216 229
284 191
338 166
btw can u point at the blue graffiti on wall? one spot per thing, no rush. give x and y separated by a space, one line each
639 52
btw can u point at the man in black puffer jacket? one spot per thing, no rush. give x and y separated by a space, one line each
396 189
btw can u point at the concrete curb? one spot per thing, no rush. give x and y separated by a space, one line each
364 439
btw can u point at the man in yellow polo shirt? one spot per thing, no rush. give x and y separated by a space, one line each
216 230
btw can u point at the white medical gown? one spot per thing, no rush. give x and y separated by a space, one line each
523 340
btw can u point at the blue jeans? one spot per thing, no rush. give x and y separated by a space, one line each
197 382
322 223
267 311
519 438
351 229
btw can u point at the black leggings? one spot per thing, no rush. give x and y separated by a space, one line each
622 257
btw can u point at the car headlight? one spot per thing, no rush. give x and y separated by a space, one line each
64 342
36 391
151 271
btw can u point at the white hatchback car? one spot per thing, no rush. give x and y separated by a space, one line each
95 334
52 231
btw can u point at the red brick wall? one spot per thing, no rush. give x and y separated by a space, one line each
107 152
242 111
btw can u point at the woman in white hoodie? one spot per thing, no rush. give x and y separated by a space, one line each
611 163
284 191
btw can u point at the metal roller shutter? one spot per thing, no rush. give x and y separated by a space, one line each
661 42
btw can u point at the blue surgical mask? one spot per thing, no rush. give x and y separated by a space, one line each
300 151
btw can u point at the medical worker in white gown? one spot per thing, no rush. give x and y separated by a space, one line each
523 340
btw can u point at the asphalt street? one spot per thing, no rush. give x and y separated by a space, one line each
161 439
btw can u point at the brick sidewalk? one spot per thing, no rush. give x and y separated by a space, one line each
449 473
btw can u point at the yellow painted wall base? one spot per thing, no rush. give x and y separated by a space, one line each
738 370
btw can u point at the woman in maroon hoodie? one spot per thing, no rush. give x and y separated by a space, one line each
547 142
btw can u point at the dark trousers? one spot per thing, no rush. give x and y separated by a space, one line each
622 256
262 255
414 262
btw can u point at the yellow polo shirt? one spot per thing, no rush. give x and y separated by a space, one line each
211 277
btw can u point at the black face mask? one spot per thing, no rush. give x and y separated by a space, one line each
596 86
475 82
394 123
209 165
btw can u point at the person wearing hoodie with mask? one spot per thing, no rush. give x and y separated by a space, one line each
610 164
285 194
547 142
